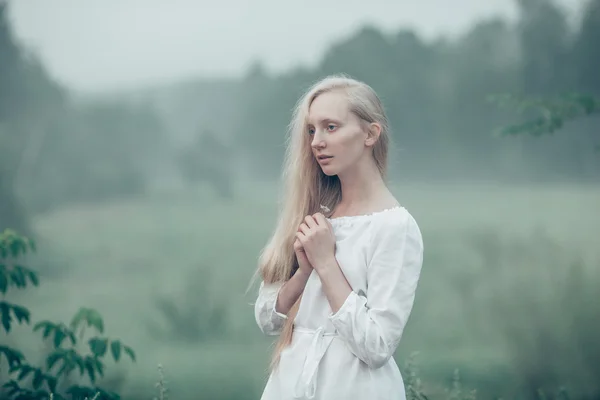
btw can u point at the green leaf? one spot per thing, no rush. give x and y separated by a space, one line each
98 346
21 313
47 326
3 248
17 276
13 387
115 348
5 316
129 352
51 382
12 244
59 336
53 358
68 365
3 279
38 379
61 331
82 392
90 365
13 357
78 318
17 246
70 360
93 365
80 363
24 371
20 274
68 333
27 395
72 337
99 366
33 278
91 318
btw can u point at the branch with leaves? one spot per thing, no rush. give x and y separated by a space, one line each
553 112
64 358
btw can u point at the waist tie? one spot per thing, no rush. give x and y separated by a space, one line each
306 386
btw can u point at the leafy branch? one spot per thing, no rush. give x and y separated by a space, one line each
63 360
553 112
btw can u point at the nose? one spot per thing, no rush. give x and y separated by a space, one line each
318 141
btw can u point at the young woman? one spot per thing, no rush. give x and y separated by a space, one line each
338 286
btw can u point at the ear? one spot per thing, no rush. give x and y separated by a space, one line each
373 132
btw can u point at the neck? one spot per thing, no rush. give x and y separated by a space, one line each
361 186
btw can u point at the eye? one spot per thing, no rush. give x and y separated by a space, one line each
311 131
331 127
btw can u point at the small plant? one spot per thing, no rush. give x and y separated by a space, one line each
195 318
161 385
457 392
412 382
64 359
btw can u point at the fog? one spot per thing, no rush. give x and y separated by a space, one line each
99 45
141 146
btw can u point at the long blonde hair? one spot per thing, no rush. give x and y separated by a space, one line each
306 187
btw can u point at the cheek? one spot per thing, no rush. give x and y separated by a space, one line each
352 145
347 139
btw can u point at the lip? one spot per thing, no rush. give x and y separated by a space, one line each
324 159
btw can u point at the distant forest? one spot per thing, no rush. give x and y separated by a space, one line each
57 147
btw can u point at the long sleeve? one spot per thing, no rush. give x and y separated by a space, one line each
268 319
372 324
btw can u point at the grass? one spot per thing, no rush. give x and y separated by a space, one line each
483 244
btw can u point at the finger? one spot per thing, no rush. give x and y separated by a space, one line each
304 229
300 237
310 221
321 220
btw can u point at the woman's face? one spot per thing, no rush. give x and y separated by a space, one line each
339 140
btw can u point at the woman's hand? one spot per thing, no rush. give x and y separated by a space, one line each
293 288
304 265
317 239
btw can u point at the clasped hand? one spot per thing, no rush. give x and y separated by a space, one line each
316 236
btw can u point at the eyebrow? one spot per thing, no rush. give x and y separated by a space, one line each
325 120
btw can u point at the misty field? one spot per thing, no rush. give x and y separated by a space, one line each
507 294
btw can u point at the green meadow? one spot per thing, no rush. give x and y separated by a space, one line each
506 296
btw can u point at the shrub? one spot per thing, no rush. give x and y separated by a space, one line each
68 354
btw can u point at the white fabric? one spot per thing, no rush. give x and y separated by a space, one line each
348 355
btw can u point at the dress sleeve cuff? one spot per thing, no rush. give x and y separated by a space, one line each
275 304
348 305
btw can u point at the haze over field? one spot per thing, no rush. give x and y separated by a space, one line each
141 146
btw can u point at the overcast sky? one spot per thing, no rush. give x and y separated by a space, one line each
93 45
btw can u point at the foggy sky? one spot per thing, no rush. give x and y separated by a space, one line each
97 45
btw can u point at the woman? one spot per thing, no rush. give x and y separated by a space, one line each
338 286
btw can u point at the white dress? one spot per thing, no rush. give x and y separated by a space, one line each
348 355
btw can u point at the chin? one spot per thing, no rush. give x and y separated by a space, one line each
328 171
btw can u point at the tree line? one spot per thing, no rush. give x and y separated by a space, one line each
58 147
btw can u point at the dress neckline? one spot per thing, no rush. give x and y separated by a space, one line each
345 219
